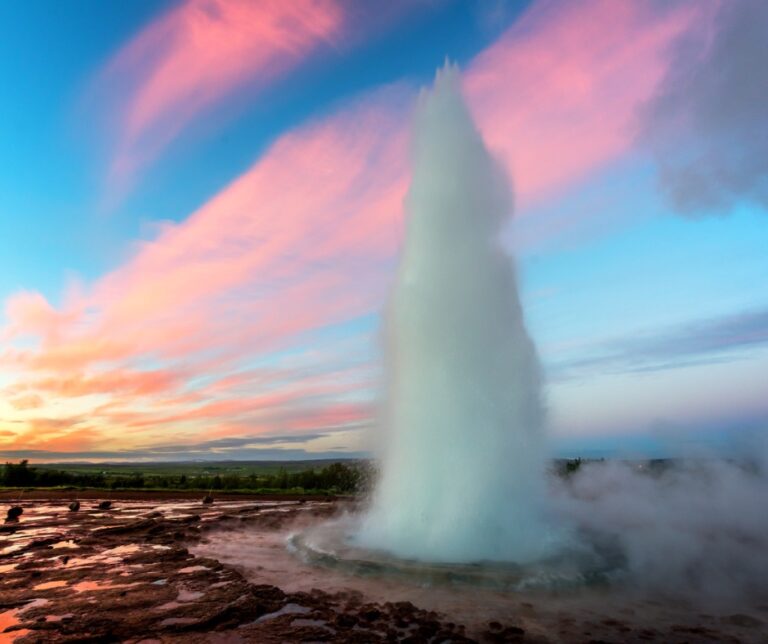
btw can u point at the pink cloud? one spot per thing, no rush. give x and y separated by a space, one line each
30 313
557 95
195 55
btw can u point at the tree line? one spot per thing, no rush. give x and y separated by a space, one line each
337 478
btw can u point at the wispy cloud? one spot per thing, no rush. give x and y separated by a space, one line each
271 447
706 341
255 454
191 58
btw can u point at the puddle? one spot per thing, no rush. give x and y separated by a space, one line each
186 595
8 619
167 606
35 603
49 584
57 618
11 549
288 609
86 562
64 544
128 549
88 586
170 621
303 621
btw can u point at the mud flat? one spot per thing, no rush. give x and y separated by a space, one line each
174 570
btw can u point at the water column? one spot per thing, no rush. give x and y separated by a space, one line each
462 449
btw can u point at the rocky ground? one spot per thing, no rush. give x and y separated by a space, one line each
125 574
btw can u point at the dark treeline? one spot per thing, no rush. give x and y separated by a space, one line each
336 478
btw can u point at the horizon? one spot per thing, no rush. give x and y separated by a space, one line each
202 213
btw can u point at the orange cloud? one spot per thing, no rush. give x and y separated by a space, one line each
117 382
53 434
31 401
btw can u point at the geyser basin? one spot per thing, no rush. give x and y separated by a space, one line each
330 545
461 438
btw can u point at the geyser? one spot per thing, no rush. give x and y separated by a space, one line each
462 445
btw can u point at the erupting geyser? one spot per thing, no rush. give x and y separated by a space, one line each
463 454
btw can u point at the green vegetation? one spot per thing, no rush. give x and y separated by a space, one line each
266 477
572 466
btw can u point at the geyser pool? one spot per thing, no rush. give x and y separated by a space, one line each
461 435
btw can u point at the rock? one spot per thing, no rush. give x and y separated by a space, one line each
14 513
74 506
745 621
207 499
104 505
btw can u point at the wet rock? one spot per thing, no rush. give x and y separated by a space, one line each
496 632
345 621
207 499
74 506
745 621
104 505
14 512
268 593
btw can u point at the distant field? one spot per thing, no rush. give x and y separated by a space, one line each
192 469
332 476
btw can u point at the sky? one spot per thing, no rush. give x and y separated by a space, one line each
201 208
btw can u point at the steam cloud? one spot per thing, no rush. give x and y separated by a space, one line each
697 528
707 126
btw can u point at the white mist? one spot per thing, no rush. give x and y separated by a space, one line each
463 455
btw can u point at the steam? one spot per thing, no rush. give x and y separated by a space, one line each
707 125
692 528
463 450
